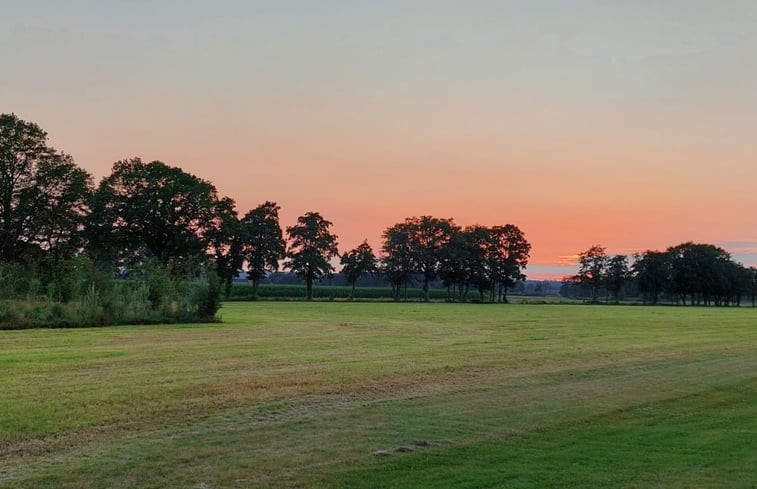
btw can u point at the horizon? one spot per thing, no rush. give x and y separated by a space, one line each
580 122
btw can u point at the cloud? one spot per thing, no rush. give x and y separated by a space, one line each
562 260
739 247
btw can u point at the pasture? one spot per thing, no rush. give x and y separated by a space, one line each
387 395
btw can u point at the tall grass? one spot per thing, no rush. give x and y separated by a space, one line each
80 295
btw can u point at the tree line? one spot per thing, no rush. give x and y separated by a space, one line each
688 273
161 227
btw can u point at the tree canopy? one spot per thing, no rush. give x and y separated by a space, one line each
262 242
152 209
591 269
43 195
358 262
312 246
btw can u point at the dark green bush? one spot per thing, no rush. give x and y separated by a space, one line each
79 294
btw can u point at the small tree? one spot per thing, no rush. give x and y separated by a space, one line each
262 243
358 262
312 246
591 269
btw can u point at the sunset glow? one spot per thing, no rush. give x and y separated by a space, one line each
626 124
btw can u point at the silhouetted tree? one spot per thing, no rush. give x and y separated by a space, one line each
616 275
591 269
152 209
652 273
697 272
262 243
358 262
397 263
468 253
428 235
460 258
43 195
482 274
226 244
312 246
508 255
733 283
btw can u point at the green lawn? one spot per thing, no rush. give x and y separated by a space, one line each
382 395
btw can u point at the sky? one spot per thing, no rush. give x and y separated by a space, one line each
628 124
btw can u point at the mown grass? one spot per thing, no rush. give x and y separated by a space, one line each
387 395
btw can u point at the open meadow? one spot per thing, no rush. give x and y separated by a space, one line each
387 395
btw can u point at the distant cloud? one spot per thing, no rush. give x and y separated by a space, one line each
739 247
566 260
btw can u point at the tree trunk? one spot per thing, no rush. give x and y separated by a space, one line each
255 284
425 289
504 294
352 293
309 286
227 288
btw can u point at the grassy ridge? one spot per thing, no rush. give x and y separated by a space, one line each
387 395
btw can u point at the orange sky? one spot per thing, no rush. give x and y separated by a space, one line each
623 124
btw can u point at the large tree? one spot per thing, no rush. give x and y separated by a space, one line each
311 248
698 272
262 243
154 210
357 263
43 195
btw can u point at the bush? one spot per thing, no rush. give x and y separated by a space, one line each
80 294
203 297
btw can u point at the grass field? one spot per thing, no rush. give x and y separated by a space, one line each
387 395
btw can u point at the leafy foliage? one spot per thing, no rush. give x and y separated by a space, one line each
262 243
154 210
43 195
616 275
358 262
312 246
591 269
